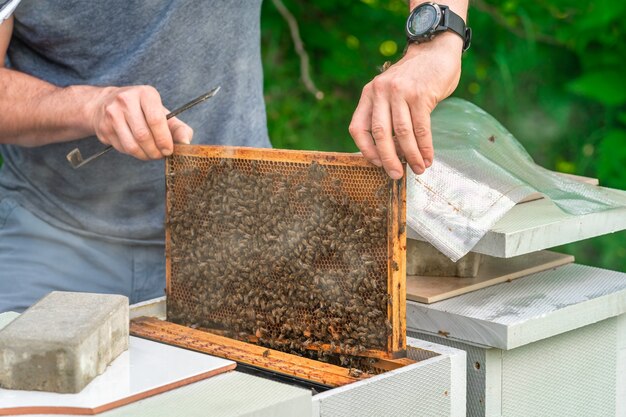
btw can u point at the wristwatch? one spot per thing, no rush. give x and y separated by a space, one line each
429 19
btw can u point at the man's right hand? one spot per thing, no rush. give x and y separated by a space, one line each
34 112
132 120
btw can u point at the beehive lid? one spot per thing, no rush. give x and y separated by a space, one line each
523 311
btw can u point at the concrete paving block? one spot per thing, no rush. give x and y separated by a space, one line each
63 341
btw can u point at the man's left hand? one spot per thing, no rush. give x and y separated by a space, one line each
392 118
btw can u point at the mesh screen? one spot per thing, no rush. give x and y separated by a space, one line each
480 172
291 255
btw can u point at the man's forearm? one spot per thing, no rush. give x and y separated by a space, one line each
132 119
34 112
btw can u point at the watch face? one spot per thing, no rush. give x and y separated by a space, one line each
422 20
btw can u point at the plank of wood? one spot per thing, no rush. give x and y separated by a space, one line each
391 364
401 282
258 356
283 155
136 374
368 353
492 271
396 269
579 178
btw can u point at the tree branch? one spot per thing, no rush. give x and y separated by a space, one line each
305 75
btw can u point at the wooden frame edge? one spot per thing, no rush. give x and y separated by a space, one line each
270 154
168 261
258 356
396 282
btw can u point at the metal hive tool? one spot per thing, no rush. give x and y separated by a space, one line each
302 252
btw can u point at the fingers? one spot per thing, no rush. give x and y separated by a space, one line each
386 124
371 129
139 131
400 100
133 120
128 142
360 130
115 131
399 150
420 117
181 132
403 128
382 134
154 114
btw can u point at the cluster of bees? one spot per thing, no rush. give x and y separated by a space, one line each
281 257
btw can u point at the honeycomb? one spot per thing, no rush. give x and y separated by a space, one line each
293 255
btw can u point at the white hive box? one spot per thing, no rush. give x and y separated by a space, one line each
434 386
549 344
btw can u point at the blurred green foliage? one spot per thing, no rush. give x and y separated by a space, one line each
553 73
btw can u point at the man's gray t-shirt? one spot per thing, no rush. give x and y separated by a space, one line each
183 48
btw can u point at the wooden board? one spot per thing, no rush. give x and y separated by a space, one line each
492 271
283 155
396 283
369 353
136 374
242 352
391 364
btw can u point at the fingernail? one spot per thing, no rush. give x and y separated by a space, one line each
428 163
167 151
396 175
417 169
377 162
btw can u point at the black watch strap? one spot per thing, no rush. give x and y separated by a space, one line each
455 23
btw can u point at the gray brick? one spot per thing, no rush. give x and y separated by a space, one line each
63 341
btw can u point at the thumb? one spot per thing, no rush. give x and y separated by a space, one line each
181 132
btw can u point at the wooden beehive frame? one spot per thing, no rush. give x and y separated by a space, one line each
396 277
256 356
